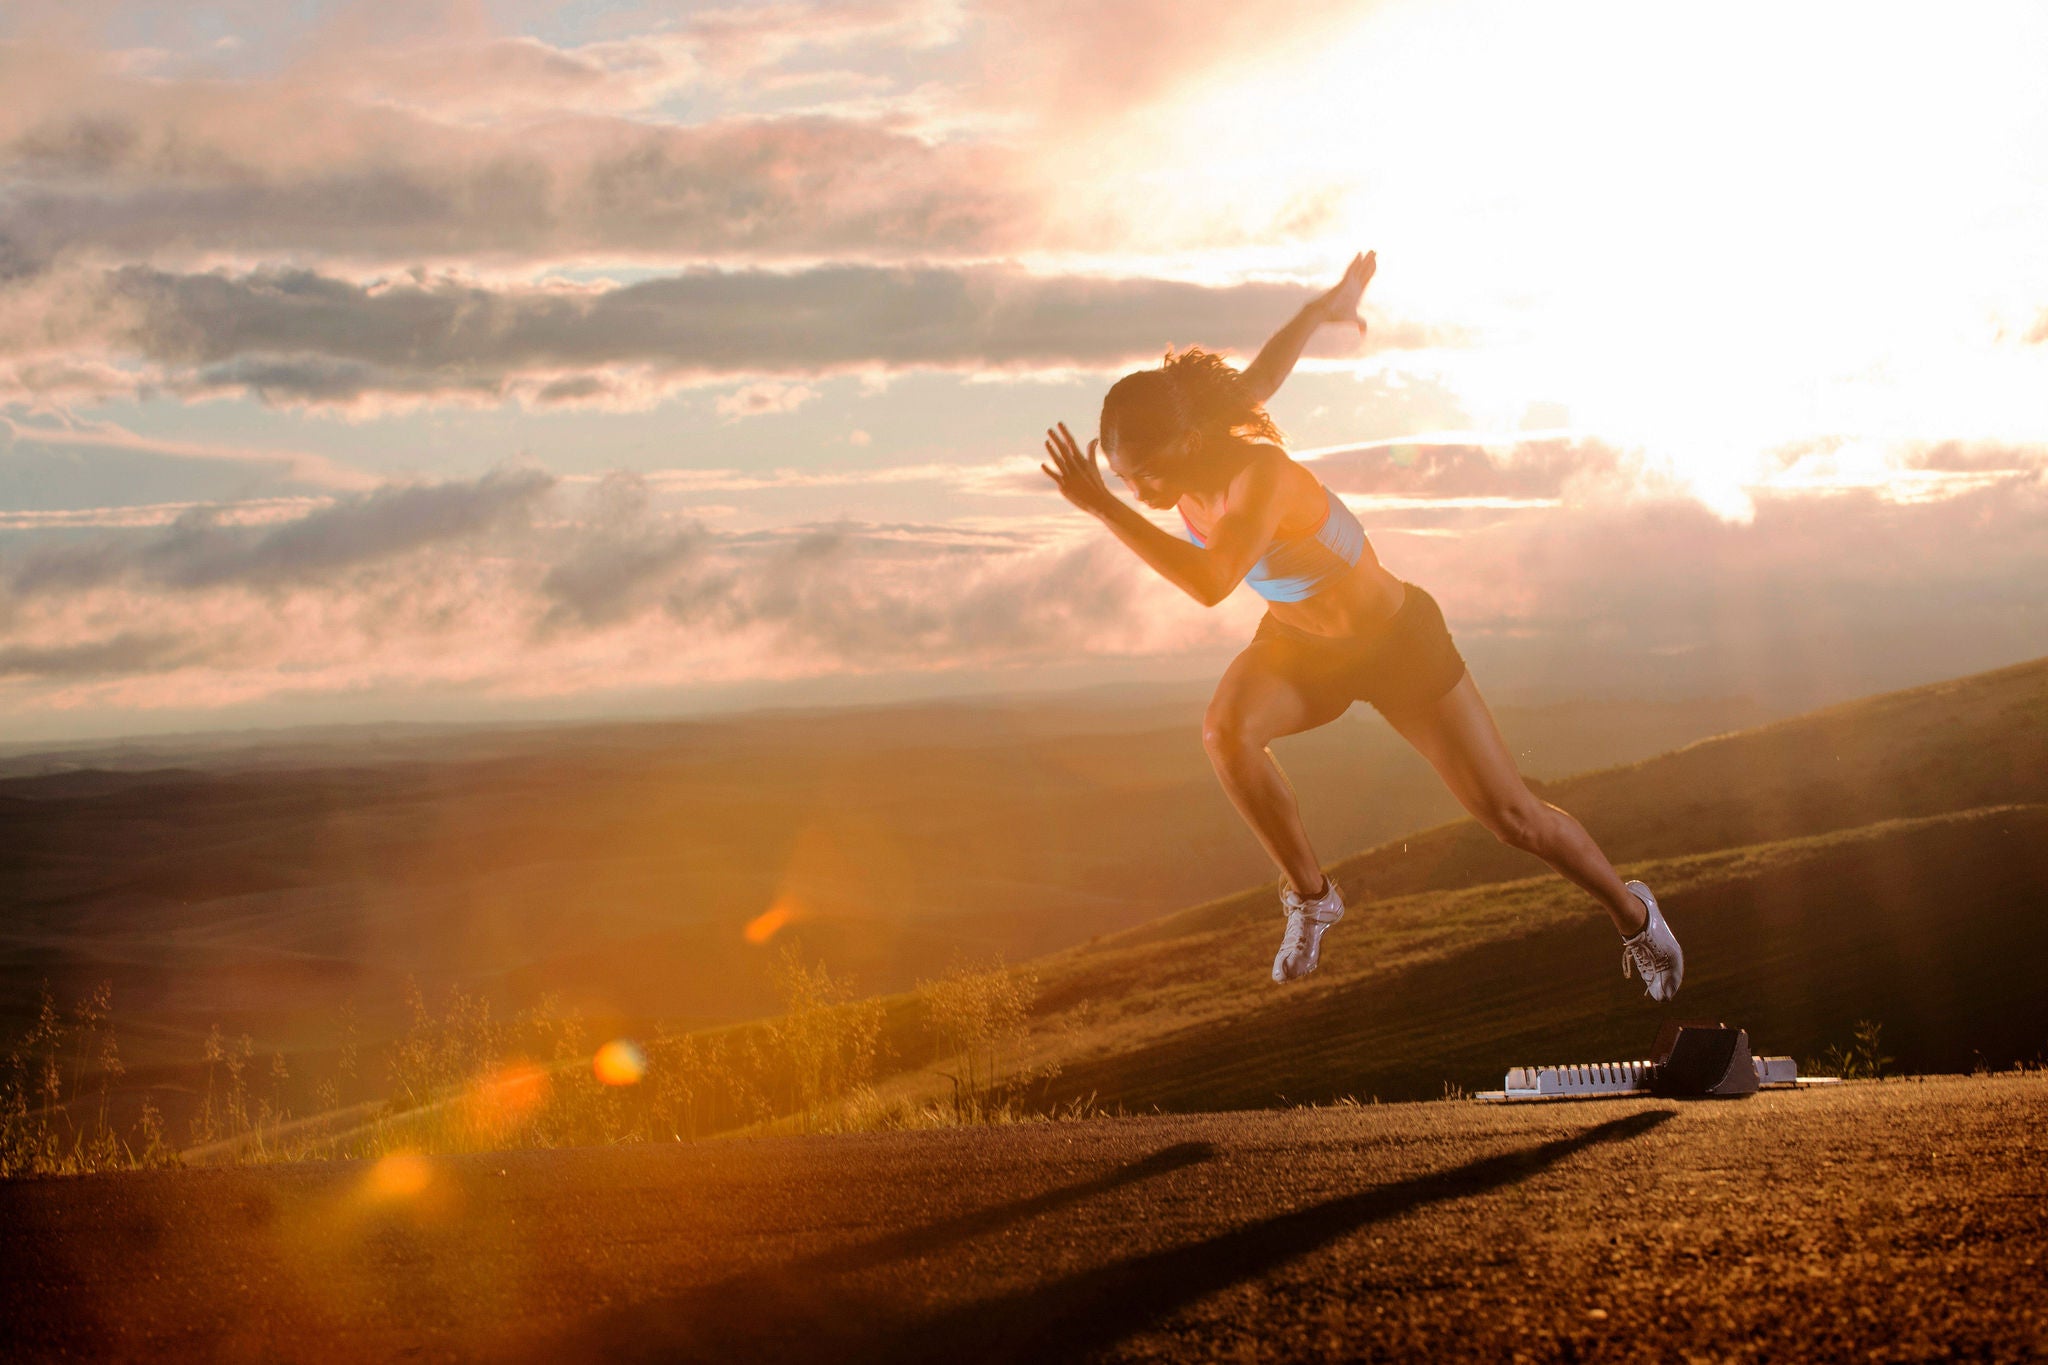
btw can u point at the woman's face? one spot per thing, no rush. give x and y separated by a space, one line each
1155 477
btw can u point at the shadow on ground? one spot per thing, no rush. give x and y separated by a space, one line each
799 1311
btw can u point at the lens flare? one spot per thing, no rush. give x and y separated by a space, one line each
619 1062
763 926
497 1103
400 1175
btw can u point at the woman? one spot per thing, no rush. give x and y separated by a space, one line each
1194 435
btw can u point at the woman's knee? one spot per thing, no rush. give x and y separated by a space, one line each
1228 736
1523 825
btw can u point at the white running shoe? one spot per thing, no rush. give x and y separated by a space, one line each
1654 952
1307 920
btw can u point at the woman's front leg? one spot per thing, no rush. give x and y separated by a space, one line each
1259 699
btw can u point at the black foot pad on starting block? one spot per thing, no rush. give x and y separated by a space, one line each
1698 1059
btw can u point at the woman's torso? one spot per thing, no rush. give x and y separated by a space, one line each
1356 600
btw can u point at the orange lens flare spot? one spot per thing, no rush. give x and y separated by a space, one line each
401 1175
619 1063
763 926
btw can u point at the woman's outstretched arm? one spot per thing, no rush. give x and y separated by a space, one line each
1275 361
1206 573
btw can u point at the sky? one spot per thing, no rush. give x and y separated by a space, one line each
381 361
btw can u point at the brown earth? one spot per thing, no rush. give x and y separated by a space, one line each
1897 1220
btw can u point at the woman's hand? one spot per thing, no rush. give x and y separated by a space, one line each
1076 475
1340 304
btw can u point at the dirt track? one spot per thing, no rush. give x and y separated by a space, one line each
1878 1221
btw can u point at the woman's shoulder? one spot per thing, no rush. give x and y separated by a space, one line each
1264 460
1268 463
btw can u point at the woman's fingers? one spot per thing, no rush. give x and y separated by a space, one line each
1073 446
1076 473
1060 439
1062 462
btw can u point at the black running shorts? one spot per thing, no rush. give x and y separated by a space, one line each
1409 660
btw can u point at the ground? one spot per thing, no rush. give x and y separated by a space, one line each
1895 1220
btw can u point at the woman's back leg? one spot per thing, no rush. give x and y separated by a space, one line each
1458 736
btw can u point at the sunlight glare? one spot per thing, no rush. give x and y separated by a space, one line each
397 1176
765 925
1708 233
619 1062
496 1103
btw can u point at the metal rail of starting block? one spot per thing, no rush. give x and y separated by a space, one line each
1692 1060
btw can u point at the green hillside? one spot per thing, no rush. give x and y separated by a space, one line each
1883 860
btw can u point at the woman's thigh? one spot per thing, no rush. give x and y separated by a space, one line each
1457 734
1271 689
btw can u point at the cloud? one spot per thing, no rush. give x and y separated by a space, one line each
55 463
127 653
862 594
509 587
296 336
1078 61
106 164
198 551
1821 595
869 601
511 583
766 396
1977 457
1517 468
891 130
619 561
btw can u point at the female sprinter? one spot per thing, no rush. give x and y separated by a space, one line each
1194 435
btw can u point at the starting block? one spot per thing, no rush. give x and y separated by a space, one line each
1693 1060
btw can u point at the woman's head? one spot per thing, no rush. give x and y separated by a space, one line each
1158 425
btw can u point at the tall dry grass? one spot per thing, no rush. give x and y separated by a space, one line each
462 1076
54 1097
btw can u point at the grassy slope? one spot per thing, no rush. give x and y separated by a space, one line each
1885 859
615 865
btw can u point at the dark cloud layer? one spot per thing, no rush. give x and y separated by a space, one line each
130 652
146 178
197 552
300 336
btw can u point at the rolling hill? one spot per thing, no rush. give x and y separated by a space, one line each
267 883
1886 859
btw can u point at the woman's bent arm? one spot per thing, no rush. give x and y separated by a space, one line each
1205 573
1276 359
1194 570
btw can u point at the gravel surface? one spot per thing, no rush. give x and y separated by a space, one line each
1879 1221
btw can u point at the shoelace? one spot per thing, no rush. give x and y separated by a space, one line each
1645 958
1297 927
